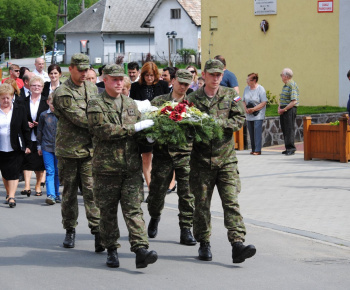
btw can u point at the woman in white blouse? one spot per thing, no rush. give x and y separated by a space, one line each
14 139
34 105
55 73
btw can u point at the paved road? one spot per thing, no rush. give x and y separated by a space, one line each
296 213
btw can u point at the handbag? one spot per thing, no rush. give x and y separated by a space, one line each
251 105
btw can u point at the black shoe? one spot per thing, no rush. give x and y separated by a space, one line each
69 240
153 227
204 252
98 244
289 153
144 257
112 258
241 252
284 152
186 237
171 189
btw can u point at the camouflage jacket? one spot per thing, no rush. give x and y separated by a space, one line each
230 115
179 155
73 139
116 149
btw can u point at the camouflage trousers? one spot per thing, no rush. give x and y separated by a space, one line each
71 172
126 189
202 183
161 176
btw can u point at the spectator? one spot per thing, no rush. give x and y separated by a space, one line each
17 92
14 137
46 139
133 71
91 76
287 109
147 88
200 82
14 75
229 79
254 100
22 71
34 106
55 73
193 71
100 74
25 91
127 86
39 69
168 74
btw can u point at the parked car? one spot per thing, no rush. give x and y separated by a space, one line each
58 55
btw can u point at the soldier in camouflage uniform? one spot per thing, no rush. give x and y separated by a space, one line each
216 164
165 160
117 167
74 149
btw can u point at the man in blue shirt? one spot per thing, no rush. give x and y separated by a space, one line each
229 79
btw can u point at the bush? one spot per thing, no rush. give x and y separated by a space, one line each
185 53
271 99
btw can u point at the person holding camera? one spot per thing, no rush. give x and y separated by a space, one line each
254 100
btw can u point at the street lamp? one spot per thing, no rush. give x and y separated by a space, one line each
9 40
170 35
43 37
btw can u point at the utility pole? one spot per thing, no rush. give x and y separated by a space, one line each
53 58
65 12
82 6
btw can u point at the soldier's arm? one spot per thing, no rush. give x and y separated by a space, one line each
236 118
102 128
72 110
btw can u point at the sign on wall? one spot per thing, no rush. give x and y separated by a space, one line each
265 7
325 7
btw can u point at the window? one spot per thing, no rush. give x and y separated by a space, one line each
120 46
175 13
175 44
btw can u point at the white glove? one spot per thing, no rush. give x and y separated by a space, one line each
143 125
143 106
150 140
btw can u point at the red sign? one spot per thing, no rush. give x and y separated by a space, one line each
325 7
83 43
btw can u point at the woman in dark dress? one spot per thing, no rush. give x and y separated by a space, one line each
14 139
34 105
147 88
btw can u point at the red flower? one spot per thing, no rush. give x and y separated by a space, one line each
187 103
180 108
166 110
175 116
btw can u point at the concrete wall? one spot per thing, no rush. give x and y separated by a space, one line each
298 37
184 28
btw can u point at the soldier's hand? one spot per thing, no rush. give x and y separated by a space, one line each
143 125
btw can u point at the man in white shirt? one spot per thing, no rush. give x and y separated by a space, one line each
25 90
133 71
39 69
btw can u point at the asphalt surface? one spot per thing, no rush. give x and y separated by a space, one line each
296 213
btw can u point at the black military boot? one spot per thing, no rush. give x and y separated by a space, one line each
153 227
204 252
69 240
144 257
186 237
112 258
241 252
98 244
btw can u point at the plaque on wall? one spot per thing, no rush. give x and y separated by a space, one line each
265 7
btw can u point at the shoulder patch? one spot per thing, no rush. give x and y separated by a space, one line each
237 99
66 101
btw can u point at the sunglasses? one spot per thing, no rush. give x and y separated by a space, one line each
16 70
192 71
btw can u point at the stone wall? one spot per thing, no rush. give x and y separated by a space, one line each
272 133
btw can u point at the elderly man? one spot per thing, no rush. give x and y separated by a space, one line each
287 109
215 164
114 120
74 149
14 74
166 160
91 76
39 69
